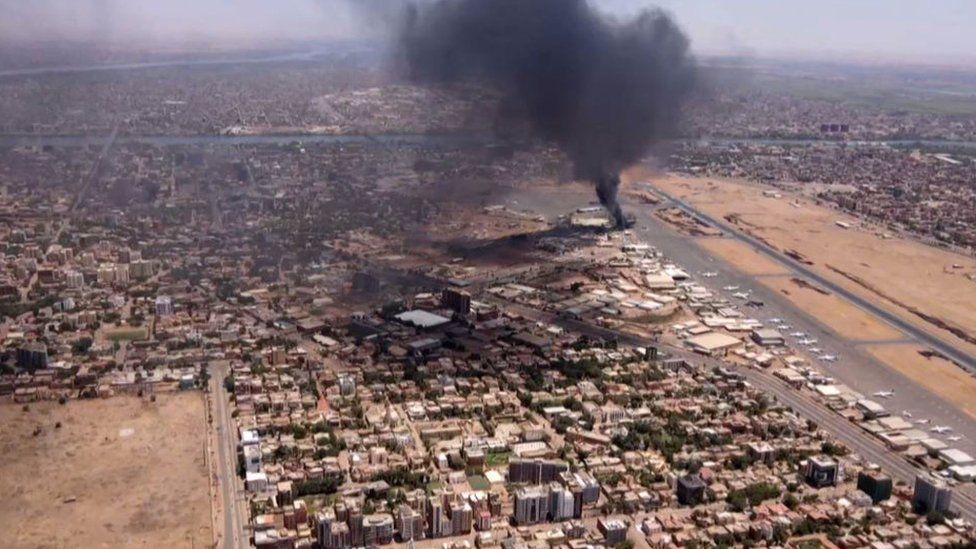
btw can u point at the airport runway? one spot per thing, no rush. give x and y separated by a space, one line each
854 368
940 345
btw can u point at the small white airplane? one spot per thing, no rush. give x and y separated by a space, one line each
710 274
887 394
730 288
954 438
828 358
741 295
906 414
775 320
808 341
798 334
922 421
784 327
941 429
816 350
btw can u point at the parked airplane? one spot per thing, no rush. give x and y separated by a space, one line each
741 295
955 438
922 421
816 350
710 274
808 341
828 358
906 413
784 327
730 288
775 320
799 334
941 429
887 394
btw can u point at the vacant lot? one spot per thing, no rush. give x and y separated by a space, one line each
117 473
125 333
898 274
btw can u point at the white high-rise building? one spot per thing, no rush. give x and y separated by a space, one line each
164 306
74 279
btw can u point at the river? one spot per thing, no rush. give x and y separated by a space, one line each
414 139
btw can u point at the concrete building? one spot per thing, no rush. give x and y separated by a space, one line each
462 518
768 337
713 344
435 517
409 524
871 409
252 458
32 356
332 533
691 490
164 306
535 471
74 279
561 503
931 494
614 530
875 484
531 505
456 300
820 472
377 529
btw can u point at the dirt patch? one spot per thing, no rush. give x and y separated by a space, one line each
845 319
120 472
793 254
742 256
932 371
933 320
686 224
808 286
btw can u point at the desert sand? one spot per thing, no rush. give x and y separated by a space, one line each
845 319
742 256
934 373
121 472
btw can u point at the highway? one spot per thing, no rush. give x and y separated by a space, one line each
235 515
920 335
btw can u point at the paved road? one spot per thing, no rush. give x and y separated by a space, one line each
93 173
235 515
945 347
857 368
862 443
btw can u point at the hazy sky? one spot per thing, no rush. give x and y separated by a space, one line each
888 28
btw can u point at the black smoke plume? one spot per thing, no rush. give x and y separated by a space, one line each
602 90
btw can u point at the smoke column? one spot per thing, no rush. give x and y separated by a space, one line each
602 90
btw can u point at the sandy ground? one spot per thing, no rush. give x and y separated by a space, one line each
934 373
916 275
136 468
845 319
742 256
